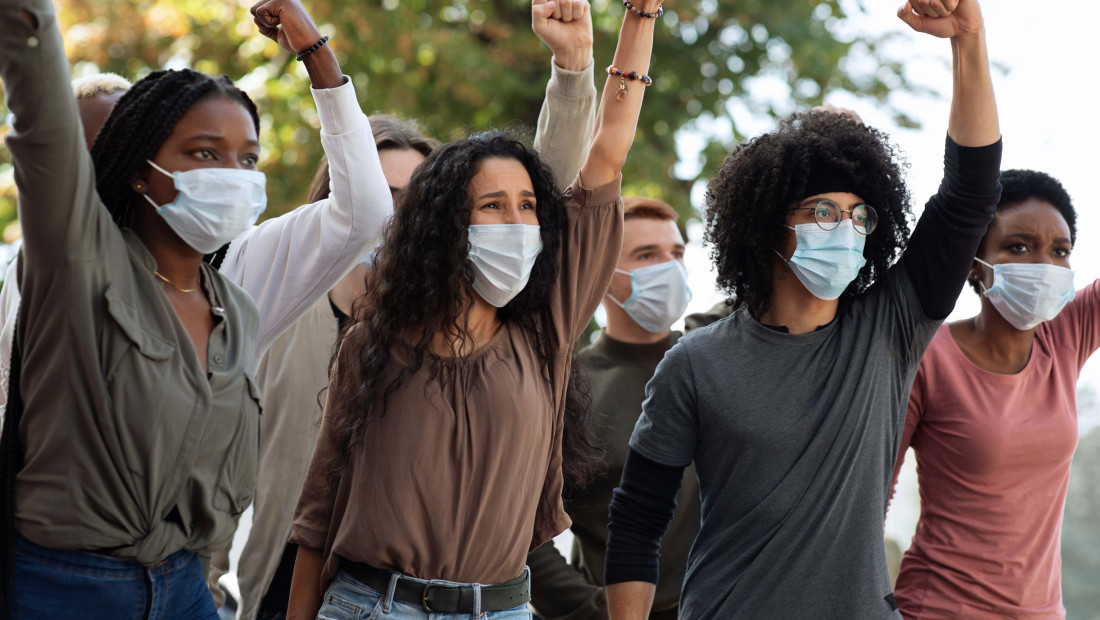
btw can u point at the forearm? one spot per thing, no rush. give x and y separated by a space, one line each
322 67
567 120
617 120
630 600
559 591
289 262
973 119
954 221
641 508
305 586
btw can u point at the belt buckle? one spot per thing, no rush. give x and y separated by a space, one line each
427 590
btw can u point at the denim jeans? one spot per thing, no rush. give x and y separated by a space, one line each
79 585
349 599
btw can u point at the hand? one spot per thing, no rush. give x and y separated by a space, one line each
942 18
287 23
829 108
565 26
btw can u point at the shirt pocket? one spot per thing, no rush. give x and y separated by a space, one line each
128 319
237 480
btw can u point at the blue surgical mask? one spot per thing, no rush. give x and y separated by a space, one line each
827 261
503 256
659 295
214 205
1027 294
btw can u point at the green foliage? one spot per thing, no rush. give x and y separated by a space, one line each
461 65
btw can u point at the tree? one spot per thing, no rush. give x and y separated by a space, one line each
460 65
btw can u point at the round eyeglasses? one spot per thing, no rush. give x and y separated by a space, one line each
828 215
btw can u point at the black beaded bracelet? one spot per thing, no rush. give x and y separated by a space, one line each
631 7
316 46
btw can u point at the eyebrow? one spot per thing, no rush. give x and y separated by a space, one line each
1031 237
653 246
501 193
209 137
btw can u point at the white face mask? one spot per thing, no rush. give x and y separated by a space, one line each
1027 294
660 294
214 205
503 256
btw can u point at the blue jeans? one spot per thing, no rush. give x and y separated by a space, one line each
348 599
78 585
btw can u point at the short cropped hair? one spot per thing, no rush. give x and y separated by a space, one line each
649 208
99 84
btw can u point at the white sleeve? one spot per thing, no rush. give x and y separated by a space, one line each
9 307
289 262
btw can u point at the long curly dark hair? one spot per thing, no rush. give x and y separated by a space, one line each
750 197
420 285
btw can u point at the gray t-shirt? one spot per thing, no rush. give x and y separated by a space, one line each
793 498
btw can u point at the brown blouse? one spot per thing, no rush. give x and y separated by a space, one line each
462 476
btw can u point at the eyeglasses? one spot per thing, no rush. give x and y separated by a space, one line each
828 215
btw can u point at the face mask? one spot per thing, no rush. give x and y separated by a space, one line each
214 205
826 261
660 294
1027 294
503 256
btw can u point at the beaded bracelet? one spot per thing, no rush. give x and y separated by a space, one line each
316 46
641 13
623 77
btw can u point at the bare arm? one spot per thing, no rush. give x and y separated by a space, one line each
630 600
289 24
617 119
305 586
973 119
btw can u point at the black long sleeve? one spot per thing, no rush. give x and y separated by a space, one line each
641 509
954 221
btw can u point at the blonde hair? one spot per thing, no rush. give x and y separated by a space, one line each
651 208
99 84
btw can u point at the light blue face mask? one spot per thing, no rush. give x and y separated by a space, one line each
659 295
827 261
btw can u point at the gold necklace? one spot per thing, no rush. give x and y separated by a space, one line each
170 283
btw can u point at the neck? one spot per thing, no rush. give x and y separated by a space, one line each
623 328
992 342
794 307
482 323
176 261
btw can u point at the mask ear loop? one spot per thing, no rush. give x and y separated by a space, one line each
618 303
159 169
981 283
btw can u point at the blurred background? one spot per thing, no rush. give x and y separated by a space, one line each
723 71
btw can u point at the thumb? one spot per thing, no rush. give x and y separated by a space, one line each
906 14
543 8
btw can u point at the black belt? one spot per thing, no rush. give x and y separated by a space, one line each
440 597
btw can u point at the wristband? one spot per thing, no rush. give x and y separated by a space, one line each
316 46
